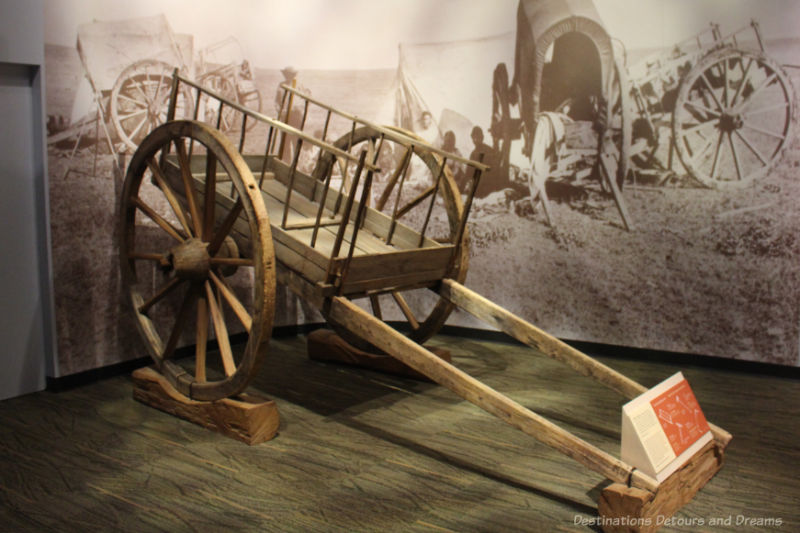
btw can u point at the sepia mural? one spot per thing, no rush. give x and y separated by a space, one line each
643 153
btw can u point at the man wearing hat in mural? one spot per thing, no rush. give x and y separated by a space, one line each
293 116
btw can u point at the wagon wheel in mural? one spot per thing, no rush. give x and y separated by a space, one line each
224 87
140 99
615 139
251 100
613 159
733 118
196 249
229 120
405 186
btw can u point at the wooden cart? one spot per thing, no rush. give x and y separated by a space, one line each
207 231
719 101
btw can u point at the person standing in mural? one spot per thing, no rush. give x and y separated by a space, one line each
492 180
428 130
289 108
458 169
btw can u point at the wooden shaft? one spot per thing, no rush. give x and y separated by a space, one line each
527 333
369 328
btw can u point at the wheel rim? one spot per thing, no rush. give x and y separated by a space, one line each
186 262
733 118
421 313
140 99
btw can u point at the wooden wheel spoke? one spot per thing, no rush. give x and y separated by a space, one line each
764 83
697 156
169 194
752 148
218 319
180 323
703 108
743 82
375 304
238 309
773 107
158 219
137 85
134 101
201 340
716 156
777 135
393 180
159 295
416 201
148 256
232 261
225 228
725 83
735 154
123 116
186 176
210 196
692 129
703 77
403 305
138 127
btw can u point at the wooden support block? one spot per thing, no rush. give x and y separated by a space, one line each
325 345
632 510
247 418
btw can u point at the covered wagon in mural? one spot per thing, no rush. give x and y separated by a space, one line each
564 106
717 101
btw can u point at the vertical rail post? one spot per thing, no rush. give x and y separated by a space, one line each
344 170
337 244
290 185
433 201
173 96
282 146
360 216
393 223
462 224
321 208
244 132
266 157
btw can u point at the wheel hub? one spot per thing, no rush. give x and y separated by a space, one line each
730 121
190 260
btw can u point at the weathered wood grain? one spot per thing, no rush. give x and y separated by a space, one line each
248 418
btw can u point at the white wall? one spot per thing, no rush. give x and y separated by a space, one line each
25 297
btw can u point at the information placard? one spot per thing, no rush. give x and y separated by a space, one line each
663 427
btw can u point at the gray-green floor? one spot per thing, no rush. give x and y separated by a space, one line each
362 451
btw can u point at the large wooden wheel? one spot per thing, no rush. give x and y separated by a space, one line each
733 118
420 313
195 250
140 99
